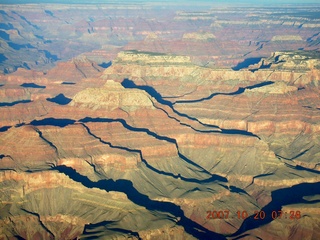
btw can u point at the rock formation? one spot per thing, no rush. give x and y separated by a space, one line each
163 142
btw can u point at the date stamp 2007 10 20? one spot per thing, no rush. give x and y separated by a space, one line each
257 215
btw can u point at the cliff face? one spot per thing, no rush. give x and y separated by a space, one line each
153 144
38 37
141 121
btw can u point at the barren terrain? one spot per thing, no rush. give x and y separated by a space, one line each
153 121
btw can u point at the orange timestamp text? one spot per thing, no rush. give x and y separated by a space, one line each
257 215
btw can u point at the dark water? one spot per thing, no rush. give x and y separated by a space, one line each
31 85
60 99
140 199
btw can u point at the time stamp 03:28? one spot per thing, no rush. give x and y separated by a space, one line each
257 215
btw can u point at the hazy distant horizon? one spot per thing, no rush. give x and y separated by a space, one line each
146 1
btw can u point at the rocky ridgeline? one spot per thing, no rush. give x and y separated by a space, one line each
304 62
147 147
112 96
286 38
210 87
202 36
150 58
266 22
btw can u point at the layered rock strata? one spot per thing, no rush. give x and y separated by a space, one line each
154 145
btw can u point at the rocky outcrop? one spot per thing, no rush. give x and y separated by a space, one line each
37 37
112 96
14 94
185 139
166 141
150 58
286 38
199 36
295 60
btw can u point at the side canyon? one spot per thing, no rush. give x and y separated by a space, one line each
143 121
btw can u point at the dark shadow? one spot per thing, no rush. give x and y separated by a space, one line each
46 140
129 127
296 156
26 20
5 36
4 128
280 198
239 91
237 190
31 85
5 26
52 122
68 83
300 168
2 58
262 67
246 63
105 64
213 177
50 56
60 99
239 132
89 228
16 46
4 104
246 236
39 37
152 92
26 66
49 13
126 186
19 238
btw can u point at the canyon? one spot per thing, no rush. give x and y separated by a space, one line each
151 121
